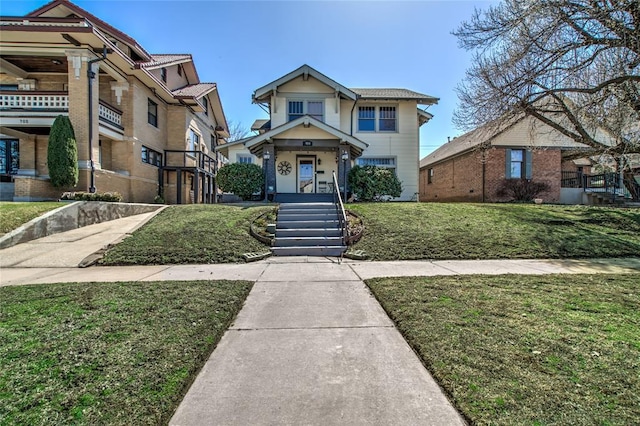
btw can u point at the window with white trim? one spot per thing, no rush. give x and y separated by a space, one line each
377 119
194 140
386 162
244 158
297 109
366 119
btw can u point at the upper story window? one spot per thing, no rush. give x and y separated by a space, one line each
297 109
180 70
366 119
194 140
8 87
163 74
151 156
387 121
377 119
430 176
152 113
205 103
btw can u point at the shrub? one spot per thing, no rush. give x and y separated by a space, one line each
371 183
62 154
523 190
240 179
113 197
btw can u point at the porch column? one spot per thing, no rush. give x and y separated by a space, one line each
344 166
270 169
78 83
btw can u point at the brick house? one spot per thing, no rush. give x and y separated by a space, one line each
144 123
473 167
318 127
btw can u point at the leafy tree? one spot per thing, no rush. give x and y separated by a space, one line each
242 179
62 154
572 64
371 183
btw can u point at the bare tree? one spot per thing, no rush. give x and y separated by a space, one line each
572 64
237 130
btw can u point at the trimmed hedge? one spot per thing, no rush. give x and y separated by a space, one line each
113 197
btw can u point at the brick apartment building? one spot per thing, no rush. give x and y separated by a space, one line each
144 123
474 166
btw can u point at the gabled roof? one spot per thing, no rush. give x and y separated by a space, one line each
194 91
162 60
423 116
64 8
305 71
487 134
254 144
396 94
261 124
466 142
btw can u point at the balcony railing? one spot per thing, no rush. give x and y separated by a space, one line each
32 100
177 159
604 183
110 114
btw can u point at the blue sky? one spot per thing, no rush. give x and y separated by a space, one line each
243 45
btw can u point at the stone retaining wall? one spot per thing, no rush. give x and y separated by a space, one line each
73 216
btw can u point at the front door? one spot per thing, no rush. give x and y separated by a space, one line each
306 175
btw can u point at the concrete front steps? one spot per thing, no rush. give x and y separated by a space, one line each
308 229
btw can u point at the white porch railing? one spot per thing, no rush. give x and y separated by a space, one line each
35 100
109 113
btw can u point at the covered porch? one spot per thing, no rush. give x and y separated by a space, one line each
300 157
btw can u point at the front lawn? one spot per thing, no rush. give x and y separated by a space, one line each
13 215
191 234
535 350
406 231
113 353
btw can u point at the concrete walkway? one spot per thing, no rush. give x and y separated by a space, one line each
71 248
311 345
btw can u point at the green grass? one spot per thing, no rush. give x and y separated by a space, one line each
191 234
13 215
395 231
116 353
528 350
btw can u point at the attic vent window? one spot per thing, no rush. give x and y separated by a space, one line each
180 70
163 74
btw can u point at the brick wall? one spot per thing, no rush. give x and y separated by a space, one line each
460 178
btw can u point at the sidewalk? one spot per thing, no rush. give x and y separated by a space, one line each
311 345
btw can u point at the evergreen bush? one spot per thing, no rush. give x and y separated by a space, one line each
62 154
371 183
241 179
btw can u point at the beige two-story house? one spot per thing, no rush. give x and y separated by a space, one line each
318 127
145 124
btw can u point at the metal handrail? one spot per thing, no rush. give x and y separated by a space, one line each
342 215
